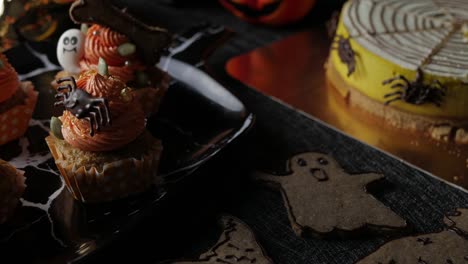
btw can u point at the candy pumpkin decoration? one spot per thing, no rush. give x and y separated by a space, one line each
272 12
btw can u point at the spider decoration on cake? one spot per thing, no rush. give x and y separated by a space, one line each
345 52
415 92
83 105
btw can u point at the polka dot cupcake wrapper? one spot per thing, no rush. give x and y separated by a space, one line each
15 122
116 180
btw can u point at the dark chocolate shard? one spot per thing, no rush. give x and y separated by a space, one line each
322 199
151 41
237 244
447 246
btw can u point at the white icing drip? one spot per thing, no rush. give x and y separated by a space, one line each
186 43
183 46
413 34
26 158
48 65
46 207
40 123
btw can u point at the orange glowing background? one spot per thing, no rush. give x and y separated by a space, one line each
292 70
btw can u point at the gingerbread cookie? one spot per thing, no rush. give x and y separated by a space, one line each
237 244
448 246
322 198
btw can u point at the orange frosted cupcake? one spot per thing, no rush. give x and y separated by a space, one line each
11 189
123 62
78 52
17 103
114 48
100 143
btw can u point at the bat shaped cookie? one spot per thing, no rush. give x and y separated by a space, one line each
237 244
448 246
322 198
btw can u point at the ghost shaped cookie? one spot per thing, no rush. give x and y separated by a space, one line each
237 244
70 48
322 199
448 246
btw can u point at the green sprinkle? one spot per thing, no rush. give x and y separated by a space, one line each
126 95
1 64
84 28
56 127
102 67
126 49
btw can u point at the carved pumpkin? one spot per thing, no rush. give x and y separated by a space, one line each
272 12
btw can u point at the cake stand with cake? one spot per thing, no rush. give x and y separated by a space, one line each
405 62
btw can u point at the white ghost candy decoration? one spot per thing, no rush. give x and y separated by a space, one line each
70 49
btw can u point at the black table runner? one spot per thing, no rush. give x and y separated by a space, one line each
224 186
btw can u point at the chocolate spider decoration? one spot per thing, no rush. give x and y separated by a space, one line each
415 92
345 52
83 105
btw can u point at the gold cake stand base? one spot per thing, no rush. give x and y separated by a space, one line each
292 70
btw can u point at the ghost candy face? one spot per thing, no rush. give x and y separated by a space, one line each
70 49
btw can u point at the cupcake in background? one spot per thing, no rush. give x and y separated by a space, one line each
114 48
121 56
100 143
17 103
11 189
149 82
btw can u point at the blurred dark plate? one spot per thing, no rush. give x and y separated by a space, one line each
197 119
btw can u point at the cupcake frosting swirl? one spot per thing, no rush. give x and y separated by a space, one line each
128 119
103 42
9 81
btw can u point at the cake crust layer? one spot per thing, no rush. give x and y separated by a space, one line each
392 115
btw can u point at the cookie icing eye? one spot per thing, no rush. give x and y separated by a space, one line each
66 40
322 161
74 40
301 162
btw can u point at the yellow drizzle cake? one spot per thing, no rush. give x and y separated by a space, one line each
405 61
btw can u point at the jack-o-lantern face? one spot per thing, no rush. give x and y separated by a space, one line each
273 12
255 9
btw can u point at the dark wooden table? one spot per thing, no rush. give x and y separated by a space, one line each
187 225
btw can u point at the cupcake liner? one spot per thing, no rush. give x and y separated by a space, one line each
9 200
15 121
117 179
